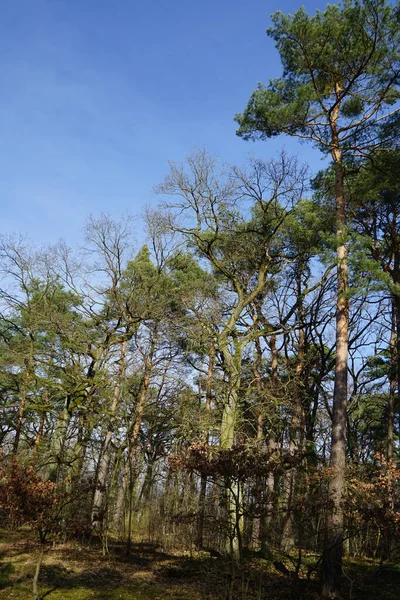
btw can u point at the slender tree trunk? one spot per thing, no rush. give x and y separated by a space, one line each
393 396
80 448
393 381
397 305
296 430
29 370
333 548
133 434
99 500
203 482
21 412
232 366
58 442
258 520
39 434
145 492
35 580
272 445
298 423
44 411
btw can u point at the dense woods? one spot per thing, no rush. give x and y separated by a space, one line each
232 386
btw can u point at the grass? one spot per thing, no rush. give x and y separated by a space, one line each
73 572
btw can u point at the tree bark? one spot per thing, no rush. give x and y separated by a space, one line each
203 481
272 446
21 412
98 508
333 547
232 366
133 434
392 385
259 520
35 580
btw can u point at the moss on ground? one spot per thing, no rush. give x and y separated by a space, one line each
73 572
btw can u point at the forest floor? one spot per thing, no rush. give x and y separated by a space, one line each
73 572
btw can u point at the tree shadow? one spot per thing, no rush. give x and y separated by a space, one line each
148 572
188 577
368 581
6 570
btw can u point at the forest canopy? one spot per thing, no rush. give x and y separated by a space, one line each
233 385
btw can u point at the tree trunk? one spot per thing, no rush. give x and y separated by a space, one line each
296 430
232 366
46 406
203 482
21 412
397 305
259 521
99 500
393 381
58 442
272 446
39 434
35 580
333 547
133 434
80 448
146 491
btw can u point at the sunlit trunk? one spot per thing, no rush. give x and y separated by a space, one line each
203 481
333 550
99 500
232 366
129 468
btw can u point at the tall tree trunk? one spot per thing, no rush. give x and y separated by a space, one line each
46 403
29 371
296 430
259 521
133 434
397 306
99 500
148 481
232 367
203 481
392 385
39 435
80 448
21 411
58 442
333 547
272 443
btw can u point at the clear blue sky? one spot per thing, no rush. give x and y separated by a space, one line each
97 96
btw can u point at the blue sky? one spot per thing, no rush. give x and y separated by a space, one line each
98 95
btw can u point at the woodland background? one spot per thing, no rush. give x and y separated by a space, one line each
231 387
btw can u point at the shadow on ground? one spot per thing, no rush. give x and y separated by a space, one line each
148 573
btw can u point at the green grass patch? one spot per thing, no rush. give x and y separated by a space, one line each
73 572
